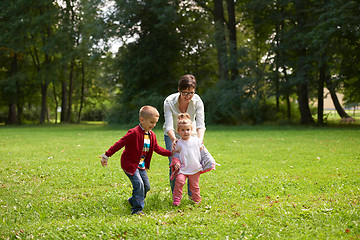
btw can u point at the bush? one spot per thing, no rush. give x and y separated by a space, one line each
228 104
128 112
223 104
3 114
94 115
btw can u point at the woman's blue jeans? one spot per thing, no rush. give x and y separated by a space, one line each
141 185
168 145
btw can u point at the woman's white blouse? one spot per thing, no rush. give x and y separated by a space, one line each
171 111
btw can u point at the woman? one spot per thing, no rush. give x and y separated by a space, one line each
184 101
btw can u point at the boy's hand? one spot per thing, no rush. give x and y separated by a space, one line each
104 161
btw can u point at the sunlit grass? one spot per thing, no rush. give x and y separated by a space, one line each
273 183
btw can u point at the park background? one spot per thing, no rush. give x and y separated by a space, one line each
266 71
255 61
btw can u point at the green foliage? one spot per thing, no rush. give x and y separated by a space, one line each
303 37
282 45
148 65
228 103
273 183
352 94
223 103
129 113
166 43
40 41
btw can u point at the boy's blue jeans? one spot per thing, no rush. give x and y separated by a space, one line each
141 186
168 145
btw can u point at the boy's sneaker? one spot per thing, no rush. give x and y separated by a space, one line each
140 213
176 202
129 201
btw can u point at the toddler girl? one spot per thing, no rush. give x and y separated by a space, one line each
190 164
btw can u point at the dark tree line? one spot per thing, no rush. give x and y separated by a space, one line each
255 61
47 52
297 48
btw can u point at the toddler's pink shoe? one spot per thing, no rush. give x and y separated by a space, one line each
197 201
176 202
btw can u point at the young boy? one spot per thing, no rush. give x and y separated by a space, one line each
140 143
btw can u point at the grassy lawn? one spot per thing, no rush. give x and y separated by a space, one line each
273 183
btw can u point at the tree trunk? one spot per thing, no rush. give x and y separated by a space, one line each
277 89
47 114
71 90
287 94
44 86
232 40
277 81
12 116
303 99
320 119
302 68
220 40
44 80
64 99
288 105
330 85
82 91
19 113
56 102
340 110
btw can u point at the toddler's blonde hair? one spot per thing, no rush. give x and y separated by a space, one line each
183 119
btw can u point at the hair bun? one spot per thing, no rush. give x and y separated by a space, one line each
183 119
183 116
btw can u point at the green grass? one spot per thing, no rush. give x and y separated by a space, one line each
273 183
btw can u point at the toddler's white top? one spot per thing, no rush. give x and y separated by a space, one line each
189 155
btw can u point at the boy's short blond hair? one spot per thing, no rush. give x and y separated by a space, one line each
148 111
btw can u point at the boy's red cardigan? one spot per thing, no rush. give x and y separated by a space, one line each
133 141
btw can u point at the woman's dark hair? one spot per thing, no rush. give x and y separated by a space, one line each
187 81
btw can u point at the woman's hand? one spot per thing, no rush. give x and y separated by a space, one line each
174 145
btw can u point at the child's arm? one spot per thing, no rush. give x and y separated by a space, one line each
160 150
116 147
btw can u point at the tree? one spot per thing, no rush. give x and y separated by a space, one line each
81 30
257 55
333 40
148 65
40 44
345 24
220 40
232 40
12 51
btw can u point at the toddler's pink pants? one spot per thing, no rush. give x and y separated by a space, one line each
193 184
